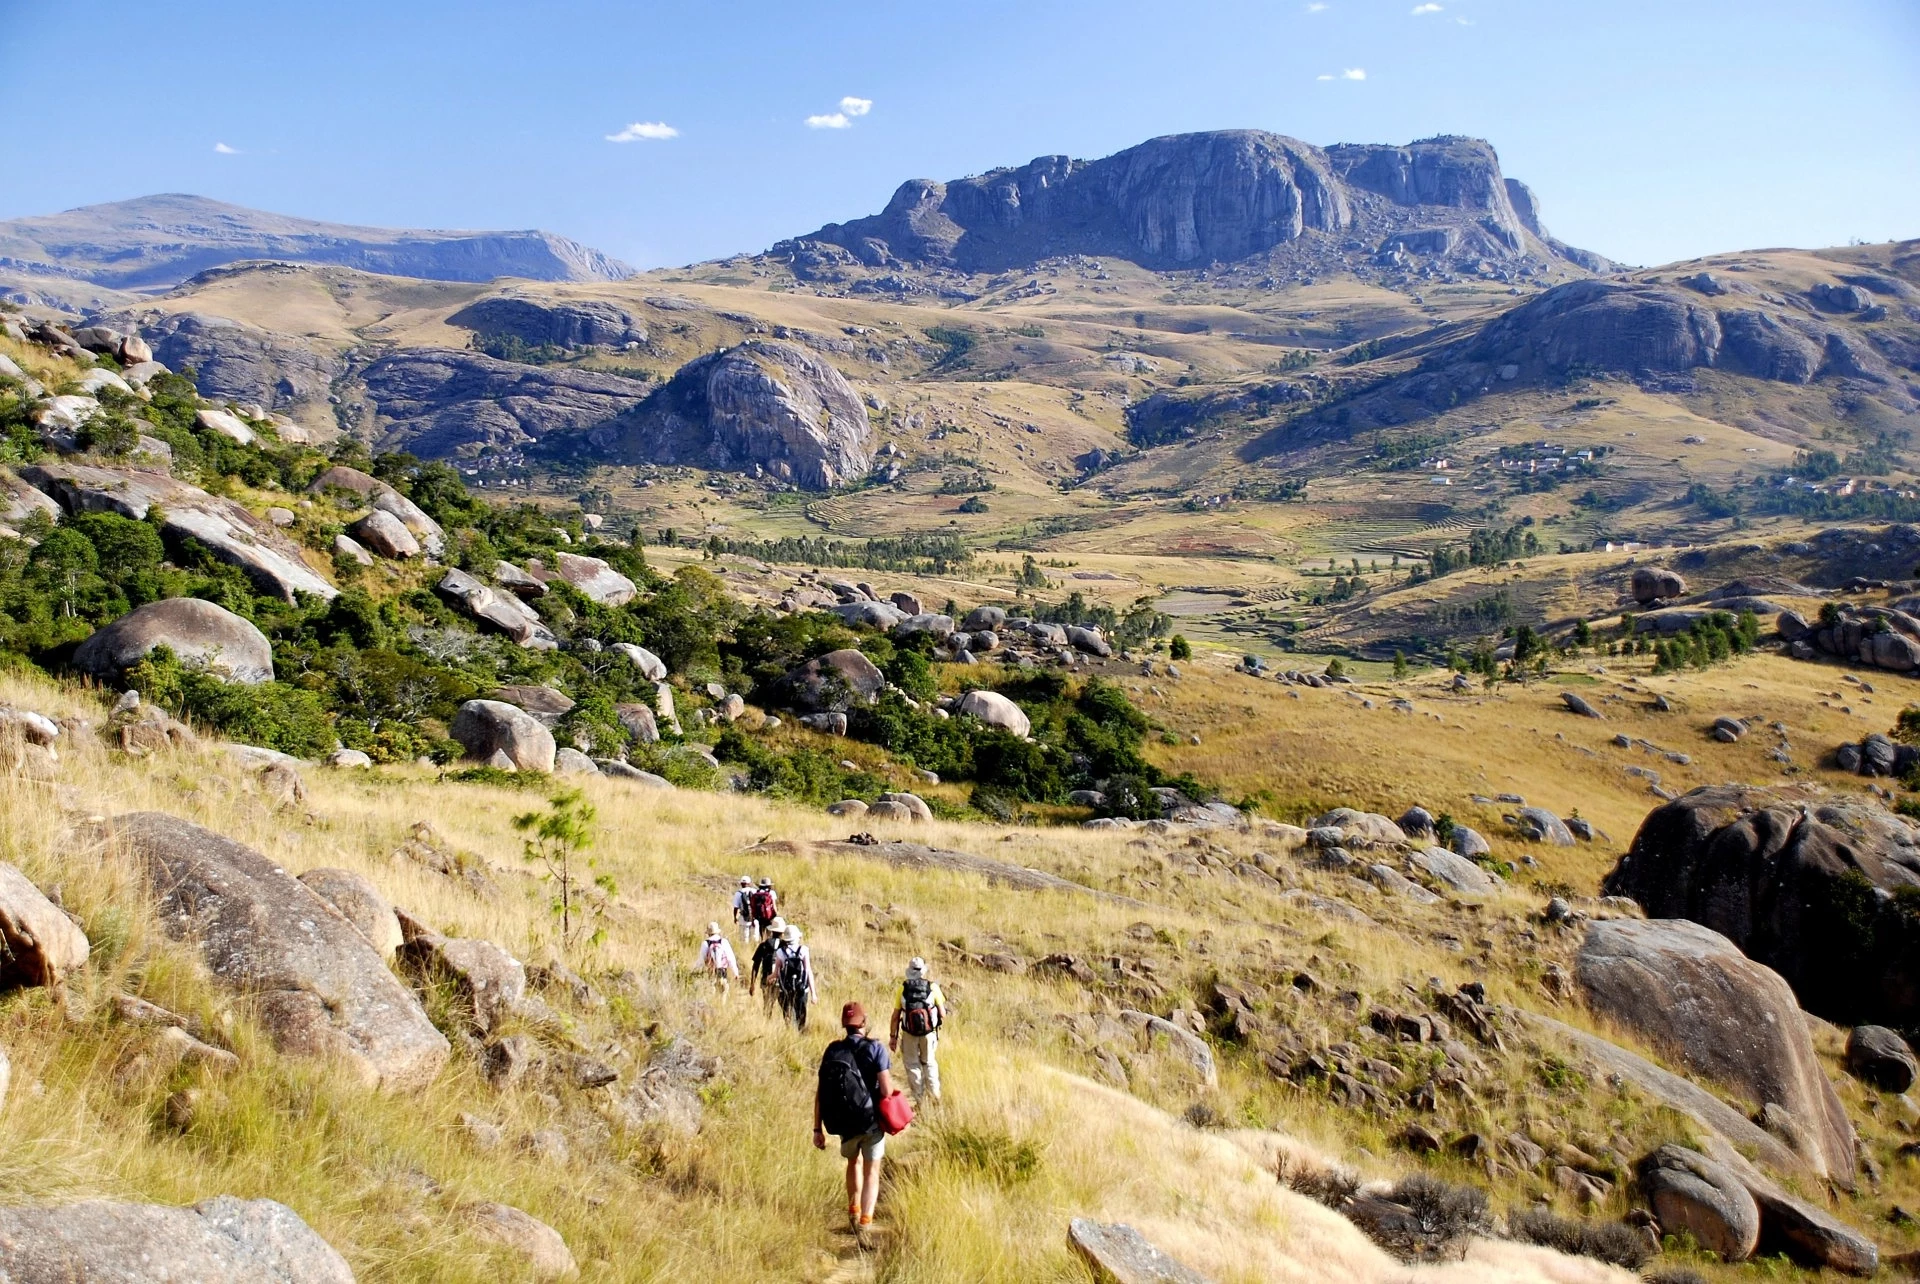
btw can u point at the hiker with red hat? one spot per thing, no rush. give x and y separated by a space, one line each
857 1103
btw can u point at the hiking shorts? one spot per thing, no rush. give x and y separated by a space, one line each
869 1147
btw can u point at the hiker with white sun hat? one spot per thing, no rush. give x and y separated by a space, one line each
718 961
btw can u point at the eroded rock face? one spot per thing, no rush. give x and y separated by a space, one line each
225 529
1606 325
443 402
234 361
1689 990
1795 883
1189 199
594 578
319 988
360 903
218 1241
762 406
197 632
563 323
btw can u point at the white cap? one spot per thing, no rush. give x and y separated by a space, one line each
916 967
746 881
793 934
713 930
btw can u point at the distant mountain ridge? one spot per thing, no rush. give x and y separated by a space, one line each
1187 200
155 242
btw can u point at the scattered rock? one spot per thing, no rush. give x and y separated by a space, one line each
1577 705
651 666
503 611
539 1245
995 710
833 682
386 535
1542 826
1455 872
360 903
1656 584
39 944
595 579
1118 1254
1880 1058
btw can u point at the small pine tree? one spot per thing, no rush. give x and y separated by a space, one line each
1399 665
557 841
1179 648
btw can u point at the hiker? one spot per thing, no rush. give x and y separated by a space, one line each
915 1031
764 905
743 911
855 1076
765 959
793 975
717 959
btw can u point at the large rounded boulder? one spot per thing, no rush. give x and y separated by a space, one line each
197 632
1809 886
833 682
1656 584
1689 991
497 733
1692 1193
996 711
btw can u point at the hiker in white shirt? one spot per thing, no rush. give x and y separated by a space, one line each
717 960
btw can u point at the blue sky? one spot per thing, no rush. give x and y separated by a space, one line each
1650 130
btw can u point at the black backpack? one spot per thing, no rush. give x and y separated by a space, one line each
846 1104
793 972
916 1012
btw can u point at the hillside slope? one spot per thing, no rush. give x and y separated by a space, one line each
153 242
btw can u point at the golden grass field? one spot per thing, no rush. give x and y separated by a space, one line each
384 1177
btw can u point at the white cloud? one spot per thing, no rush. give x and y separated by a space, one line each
1351 73
652 130
832 120
856 106
221 149
1316 7
1421 10
1465 22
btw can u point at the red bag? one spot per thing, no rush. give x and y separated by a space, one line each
896 1112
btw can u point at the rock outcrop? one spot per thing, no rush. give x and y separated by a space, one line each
1801 884
224 528
761 407
241 363
1656 583
447 402
996 711
199 633
1689 991
217 1241
1193 199
360 903
595 579
1691 1193
318 987
1118 1254
560 323
383 498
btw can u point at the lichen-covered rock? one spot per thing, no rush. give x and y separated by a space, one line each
594 578
996 711
198 633
386 535
440 401
217 1241
320 989
360 903
1119 1254
762 406
385 499
651 666
537 1244
562 323
833 682
1691 1193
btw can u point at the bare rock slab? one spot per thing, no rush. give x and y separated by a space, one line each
540 1245
218 1241
1119 1254
321 989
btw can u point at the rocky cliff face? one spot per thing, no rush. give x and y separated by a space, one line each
565 323
760 407
158 241
444 402
234 361
1187 200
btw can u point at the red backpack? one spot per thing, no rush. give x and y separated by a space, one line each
760 904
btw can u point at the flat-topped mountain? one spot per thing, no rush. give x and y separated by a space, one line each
1187 200
154 242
